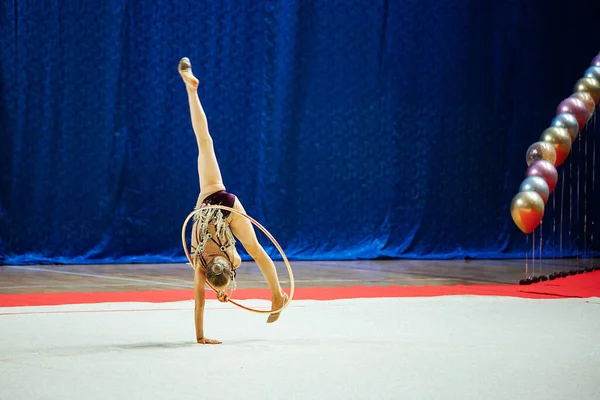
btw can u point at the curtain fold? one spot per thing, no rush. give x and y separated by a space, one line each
350 130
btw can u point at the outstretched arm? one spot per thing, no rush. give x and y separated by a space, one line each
199 282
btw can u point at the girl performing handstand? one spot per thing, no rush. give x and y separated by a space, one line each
214 231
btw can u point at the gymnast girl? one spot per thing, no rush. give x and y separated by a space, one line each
214 231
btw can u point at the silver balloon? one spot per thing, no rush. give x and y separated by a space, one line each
568 122
592 72
538 185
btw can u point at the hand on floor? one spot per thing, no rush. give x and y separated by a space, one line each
208 341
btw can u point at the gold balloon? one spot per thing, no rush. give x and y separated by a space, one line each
527 210
540 151
560 139
589 85
587 98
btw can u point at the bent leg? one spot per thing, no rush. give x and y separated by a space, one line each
242 228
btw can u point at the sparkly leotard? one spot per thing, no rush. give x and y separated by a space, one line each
211 229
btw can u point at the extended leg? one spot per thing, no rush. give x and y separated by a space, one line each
208 167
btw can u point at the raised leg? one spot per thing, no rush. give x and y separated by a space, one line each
208 167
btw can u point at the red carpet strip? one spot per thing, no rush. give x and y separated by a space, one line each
578 286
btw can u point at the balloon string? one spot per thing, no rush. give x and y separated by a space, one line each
578 204
541 234
570 201
593 180
526 255
553 225
585 199
533 253
562 212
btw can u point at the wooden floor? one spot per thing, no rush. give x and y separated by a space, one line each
144 277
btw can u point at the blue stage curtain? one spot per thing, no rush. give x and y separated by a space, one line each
350 129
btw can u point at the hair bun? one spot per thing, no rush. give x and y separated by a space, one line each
217 268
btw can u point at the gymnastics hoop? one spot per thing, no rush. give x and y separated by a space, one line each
266 232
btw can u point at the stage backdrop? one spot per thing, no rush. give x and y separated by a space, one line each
350 129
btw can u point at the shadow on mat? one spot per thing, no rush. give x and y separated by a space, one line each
164 345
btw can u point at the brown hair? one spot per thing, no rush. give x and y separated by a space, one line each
218 272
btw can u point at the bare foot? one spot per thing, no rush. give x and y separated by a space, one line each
185 70
276 303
